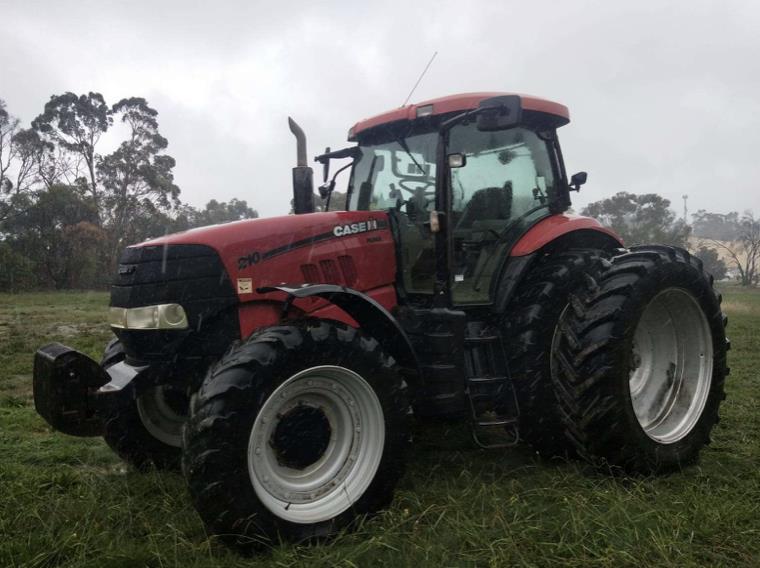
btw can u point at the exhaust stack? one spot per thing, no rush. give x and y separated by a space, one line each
303 175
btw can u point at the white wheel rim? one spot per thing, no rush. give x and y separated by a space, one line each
162 421
671 367
345 419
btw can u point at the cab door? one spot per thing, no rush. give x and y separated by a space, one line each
399 177
504 187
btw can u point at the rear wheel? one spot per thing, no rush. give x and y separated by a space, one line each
295 433
532 329
642 362
147 430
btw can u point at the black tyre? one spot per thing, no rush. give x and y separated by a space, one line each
643 362
295 433
532 332
144 431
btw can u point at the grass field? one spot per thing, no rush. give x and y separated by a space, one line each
70 502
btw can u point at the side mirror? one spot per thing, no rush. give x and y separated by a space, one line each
326 189
499 113
578 180
457 160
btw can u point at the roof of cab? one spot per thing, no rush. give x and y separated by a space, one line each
453 103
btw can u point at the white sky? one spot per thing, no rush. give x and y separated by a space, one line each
664 96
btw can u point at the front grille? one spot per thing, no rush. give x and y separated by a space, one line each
348 268
330 271
190 275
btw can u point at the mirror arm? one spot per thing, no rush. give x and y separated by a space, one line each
350 152
326 189
326 167
454 120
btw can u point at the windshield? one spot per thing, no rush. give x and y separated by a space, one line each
508 175
387 176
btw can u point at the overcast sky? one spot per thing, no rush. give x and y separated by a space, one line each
664 96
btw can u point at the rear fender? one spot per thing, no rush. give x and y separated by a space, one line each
553 234
585 230
370 316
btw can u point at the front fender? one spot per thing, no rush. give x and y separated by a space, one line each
368 313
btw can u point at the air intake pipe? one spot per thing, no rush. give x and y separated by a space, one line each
303 175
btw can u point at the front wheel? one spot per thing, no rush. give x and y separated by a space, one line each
642 362
295 433
145 431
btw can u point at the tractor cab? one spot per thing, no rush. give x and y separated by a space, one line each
462 178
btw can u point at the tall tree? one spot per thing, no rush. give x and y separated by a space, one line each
8 128
716 226
40 162
137 177
76 124
14 167
59 235
745 251
712 262
217 212
16 270
640 219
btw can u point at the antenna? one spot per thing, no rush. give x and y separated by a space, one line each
685 208
409 96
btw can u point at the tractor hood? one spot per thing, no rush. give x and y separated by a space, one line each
351 248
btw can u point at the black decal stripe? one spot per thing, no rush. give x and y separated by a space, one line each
315 239
298 244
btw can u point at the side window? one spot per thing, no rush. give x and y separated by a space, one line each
405 182
505 183
399 177
507 174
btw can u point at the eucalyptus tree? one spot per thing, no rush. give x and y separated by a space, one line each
76 124
137 178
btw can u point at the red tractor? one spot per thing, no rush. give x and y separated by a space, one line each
281 360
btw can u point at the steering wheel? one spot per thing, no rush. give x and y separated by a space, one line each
423 184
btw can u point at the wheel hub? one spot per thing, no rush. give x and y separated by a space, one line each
316 444
671 366
163 411
301 437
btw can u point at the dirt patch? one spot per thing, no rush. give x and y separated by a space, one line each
67 330
73 330
736 307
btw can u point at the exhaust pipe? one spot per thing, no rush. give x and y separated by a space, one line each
303 175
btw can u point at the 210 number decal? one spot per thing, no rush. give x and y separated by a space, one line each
248 260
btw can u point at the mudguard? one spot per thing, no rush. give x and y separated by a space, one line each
585 230
369 314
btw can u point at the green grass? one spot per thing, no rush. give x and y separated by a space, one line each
70 502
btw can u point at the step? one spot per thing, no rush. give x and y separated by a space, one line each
482 339
486 380
494 422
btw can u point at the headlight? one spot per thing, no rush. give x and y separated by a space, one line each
163 316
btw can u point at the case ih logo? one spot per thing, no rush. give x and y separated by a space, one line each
353 228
